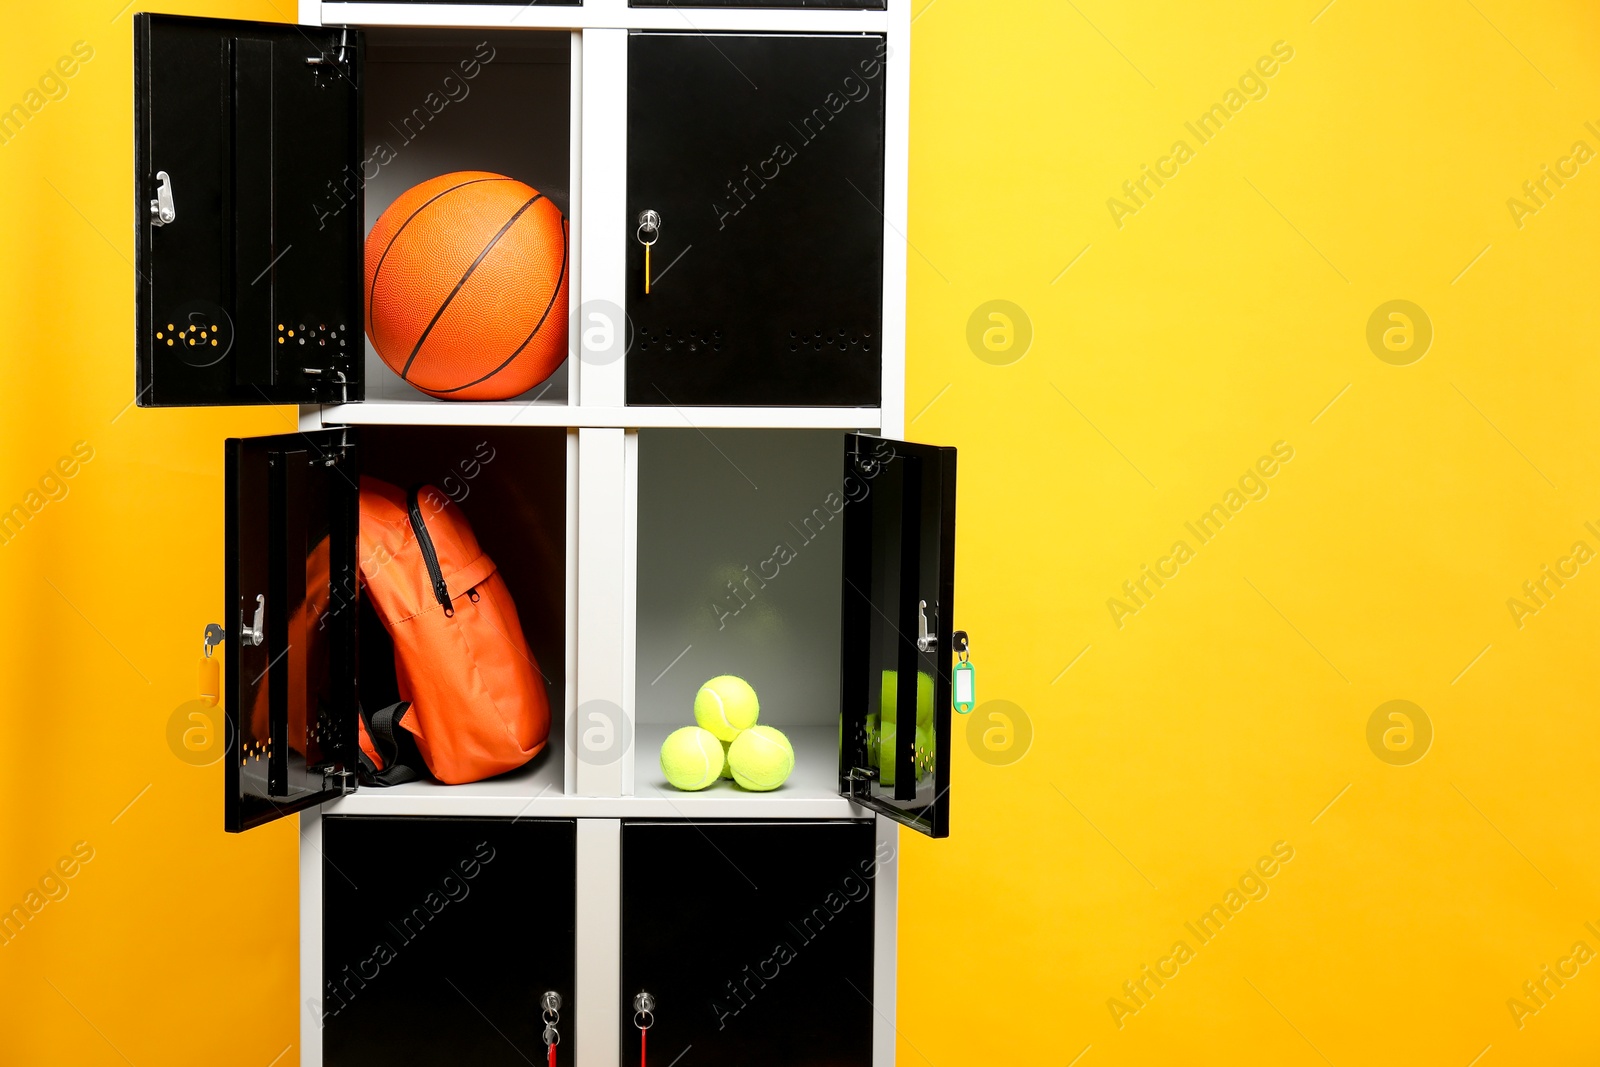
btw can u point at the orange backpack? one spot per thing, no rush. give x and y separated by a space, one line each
472 699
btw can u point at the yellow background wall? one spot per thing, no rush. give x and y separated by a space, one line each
1167 755
1227 713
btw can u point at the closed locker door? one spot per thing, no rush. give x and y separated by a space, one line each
754 941
441 935
762 159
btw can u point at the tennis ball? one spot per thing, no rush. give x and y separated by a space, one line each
761 758
691 758
890 691
727 764
725 705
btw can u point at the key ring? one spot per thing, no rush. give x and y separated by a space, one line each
649 222
551 1001
964 689
644 1017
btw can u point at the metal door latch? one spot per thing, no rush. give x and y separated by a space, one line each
162 209
926 642
256 632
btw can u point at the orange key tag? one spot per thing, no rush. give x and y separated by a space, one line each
210 666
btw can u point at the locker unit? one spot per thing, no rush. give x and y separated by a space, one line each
711 483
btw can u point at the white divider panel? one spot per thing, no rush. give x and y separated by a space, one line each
896 234
597 988
602 224
575 218
310 999
630 600
569 703
601 735
885 942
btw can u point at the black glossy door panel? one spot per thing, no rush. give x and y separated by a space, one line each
290 616
250 292
845 5
898 605
755 939
763 157
440 935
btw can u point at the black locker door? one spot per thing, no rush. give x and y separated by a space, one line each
898 607
247 208
755 939
763 158
289 614
439 936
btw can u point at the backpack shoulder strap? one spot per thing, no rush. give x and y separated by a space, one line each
394 745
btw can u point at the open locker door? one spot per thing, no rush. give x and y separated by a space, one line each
247 203
897 604
292 525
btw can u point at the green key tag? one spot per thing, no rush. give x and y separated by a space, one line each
965 687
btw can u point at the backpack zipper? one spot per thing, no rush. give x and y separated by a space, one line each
430 558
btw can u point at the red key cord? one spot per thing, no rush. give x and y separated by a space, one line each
642 1035
552 1056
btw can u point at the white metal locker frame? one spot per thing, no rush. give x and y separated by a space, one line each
602 497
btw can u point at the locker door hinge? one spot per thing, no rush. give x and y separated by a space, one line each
340 450
340 781
860 781
326 66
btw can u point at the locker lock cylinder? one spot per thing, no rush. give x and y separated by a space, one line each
644 1010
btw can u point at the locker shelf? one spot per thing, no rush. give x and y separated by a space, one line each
535 792
815 778
422 412
604 14
510 794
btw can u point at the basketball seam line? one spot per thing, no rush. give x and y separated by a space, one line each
561 278
376 271
512 221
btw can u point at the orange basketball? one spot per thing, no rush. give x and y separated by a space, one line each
466 286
